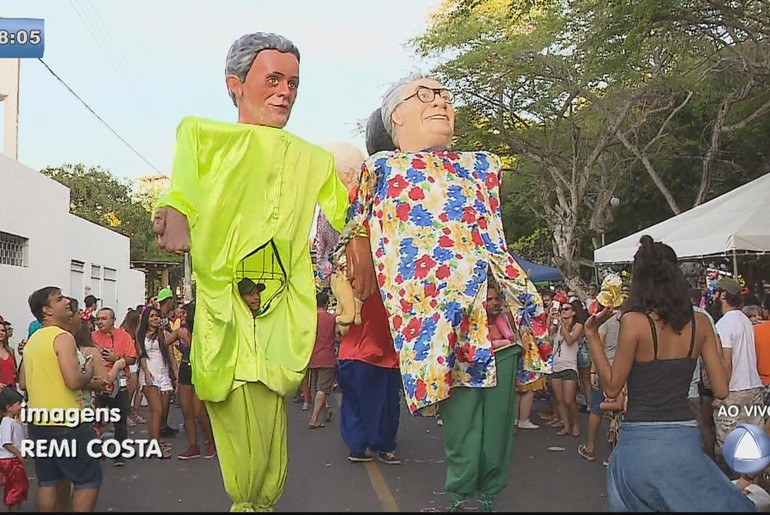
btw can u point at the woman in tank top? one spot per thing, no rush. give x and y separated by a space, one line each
154 365
567 334
130 325
659 463
193 409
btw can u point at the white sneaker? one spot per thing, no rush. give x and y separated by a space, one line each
526 424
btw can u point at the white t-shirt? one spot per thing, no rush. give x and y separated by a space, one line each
564 356
10 432
612 329
737 333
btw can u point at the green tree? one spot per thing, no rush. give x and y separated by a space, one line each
591 99
102 198
528 93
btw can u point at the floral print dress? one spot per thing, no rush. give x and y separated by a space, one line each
436 232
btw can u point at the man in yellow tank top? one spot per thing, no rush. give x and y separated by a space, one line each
52 377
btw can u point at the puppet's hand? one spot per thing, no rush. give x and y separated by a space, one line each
172 229
361 267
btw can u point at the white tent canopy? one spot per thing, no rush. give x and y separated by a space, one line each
736 222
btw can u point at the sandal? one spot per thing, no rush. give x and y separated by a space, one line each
583 452
319 426
562 433
556 423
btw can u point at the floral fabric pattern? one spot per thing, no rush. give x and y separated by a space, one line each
326 240
435 232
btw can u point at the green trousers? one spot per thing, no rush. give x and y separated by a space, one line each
250 434
478 433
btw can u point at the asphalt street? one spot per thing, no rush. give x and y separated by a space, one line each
320 477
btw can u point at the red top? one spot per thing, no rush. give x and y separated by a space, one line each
323 352
762 342
8 370
371 342
119 341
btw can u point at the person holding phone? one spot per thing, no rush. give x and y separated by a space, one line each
115 344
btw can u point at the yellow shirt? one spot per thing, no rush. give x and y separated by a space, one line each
174 326
45 383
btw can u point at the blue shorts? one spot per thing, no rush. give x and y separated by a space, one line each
583 357
83 470
597 397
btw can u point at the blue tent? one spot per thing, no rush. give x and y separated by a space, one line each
538 273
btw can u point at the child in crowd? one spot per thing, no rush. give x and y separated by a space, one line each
11 461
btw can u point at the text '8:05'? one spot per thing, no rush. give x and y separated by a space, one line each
22 38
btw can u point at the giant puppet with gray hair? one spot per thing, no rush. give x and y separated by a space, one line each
242 199
435 244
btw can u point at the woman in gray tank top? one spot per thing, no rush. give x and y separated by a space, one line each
659 463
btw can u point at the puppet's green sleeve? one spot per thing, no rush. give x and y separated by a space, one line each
184 175
333 199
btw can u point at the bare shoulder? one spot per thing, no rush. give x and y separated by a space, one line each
633 321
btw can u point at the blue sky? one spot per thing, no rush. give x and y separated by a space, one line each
144 65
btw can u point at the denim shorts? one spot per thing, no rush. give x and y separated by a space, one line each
583 357
83 470
597 397
566 375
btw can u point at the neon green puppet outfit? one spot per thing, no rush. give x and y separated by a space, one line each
249 193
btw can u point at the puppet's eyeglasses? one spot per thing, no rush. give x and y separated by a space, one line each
428 95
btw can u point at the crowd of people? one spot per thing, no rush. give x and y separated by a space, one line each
75 356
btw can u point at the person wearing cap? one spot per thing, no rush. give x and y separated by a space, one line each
242 370
165 303
739 359
165 300
250 293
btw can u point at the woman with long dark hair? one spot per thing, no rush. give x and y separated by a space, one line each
130 325
566 329
659 463
7 361
154 364
193 409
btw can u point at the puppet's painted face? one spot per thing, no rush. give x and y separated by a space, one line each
269 91
426 119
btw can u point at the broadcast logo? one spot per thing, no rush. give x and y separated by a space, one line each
747 449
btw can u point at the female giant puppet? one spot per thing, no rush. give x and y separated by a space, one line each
249 191
435 236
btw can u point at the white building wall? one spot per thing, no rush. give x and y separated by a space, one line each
10 70
37 208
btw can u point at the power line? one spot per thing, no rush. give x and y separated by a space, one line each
99 117
124 66
101 41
